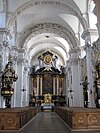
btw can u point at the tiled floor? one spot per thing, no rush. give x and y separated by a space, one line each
48 122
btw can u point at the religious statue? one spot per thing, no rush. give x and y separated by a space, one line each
85 91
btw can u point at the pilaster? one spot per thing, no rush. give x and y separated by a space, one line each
90 35
14 52
41 85
4 52
89 75
75 81
69 84
4 38
20 82
53 85
38 84
80 89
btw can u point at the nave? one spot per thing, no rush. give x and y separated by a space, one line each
47 122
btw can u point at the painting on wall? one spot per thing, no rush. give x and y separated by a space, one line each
47 83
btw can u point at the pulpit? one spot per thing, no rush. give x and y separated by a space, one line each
8 77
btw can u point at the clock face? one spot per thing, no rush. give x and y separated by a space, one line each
47 59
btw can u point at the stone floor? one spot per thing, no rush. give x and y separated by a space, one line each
47 122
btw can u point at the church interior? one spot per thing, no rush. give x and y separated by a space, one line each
50 54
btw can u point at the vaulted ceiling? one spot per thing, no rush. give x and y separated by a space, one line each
38 25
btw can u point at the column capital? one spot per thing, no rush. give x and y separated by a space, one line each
73 56
87 47
96 45
6 36
73 52
15 48
90 35
21 55
15 52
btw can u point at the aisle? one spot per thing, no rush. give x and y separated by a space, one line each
49 122
46 122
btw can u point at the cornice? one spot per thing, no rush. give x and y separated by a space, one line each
88 33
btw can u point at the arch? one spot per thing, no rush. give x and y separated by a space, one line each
52 49
54 28
59 4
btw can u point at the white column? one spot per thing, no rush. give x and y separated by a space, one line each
28 92
57 86
69 100
38 84
4 51
41 85
81 96
2 101
1 61
25 87
89 75
14 52
75 81
13 98
19 82
53 85
89 36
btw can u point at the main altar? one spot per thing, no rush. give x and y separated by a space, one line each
48 80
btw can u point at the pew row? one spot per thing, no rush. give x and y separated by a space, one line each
16 118
80 118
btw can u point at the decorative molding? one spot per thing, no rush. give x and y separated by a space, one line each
86 35
62 31
21 56
5 31
74 61
72 52
96 52
15 48
20 60
73 56
96 45
87 47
